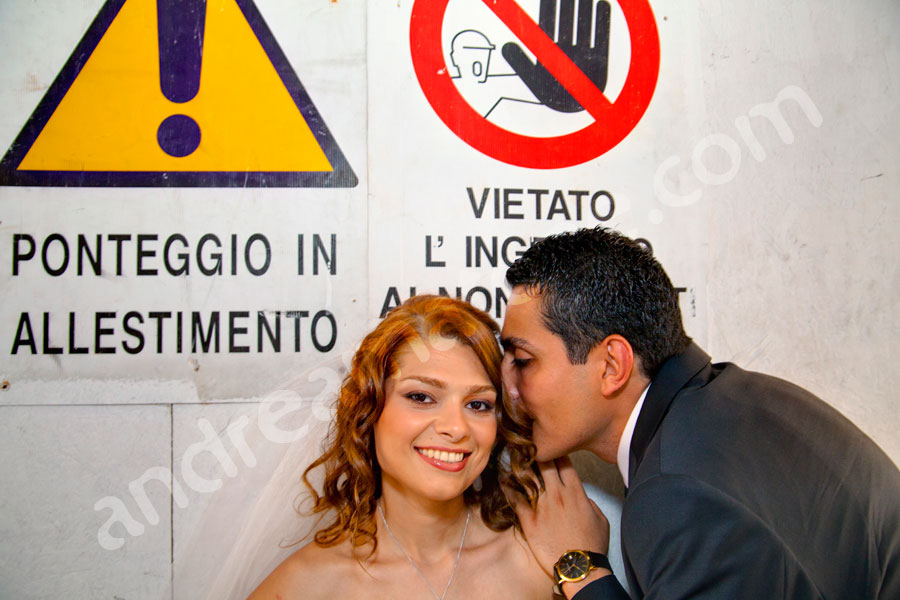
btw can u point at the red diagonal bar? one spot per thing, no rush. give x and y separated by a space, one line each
551 56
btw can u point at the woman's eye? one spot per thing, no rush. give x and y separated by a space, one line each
481 406
520 362
419 397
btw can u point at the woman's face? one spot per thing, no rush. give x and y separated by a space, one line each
435 434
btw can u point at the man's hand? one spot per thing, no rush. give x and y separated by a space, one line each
565 519
592 59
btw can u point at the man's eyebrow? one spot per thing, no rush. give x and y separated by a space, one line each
514 342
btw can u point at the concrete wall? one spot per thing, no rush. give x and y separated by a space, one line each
781 231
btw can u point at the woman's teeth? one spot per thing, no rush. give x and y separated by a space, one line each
441 455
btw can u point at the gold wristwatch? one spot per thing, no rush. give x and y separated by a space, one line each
574 565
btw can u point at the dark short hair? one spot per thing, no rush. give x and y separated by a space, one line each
597 282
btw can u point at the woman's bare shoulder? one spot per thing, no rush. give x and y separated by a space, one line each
524 577
513 571
310 572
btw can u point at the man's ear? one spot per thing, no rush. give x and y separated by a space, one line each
618 363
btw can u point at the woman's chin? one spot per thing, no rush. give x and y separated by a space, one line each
444 493
440 491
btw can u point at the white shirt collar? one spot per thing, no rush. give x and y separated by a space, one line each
624 451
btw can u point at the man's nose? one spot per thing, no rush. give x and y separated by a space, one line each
510 376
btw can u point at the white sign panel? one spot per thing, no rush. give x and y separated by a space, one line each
193 218
508 121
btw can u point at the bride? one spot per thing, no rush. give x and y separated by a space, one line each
421 441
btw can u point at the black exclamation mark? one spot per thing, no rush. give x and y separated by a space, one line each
181 24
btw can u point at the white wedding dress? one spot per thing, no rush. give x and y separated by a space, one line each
227 541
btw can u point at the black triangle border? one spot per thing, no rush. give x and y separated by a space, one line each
342 175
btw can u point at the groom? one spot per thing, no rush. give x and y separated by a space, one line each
739 485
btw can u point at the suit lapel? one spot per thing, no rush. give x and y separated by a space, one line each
672 377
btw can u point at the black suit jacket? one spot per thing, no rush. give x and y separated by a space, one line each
742 485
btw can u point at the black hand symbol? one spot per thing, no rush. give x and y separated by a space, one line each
593 61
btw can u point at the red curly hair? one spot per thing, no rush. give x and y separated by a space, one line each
352 483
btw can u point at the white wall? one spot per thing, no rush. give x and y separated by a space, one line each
789 259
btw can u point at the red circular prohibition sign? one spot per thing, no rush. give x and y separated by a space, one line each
612 120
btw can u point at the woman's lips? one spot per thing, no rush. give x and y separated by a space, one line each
445 460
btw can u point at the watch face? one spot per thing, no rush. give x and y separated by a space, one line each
573 566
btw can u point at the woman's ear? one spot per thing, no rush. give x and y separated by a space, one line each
615 362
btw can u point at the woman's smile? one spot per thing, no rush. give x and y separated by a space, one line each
448 460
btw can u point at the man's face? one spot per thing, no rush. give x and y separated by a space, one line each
562 398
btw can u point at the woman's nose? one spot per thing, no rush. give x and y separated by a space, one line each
451 422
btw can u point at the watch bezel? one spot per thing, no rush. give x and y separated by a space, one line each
588 566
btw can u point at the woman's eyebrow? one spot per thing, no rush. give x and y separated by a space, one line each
427 380
474 389
478 389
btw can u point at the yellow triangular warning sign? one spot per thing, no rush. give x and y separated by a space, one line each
251 119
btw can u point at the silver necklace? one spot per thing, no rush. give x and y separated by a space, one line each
413 563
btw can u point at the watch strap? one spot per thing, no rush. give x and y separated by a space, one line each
599 560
